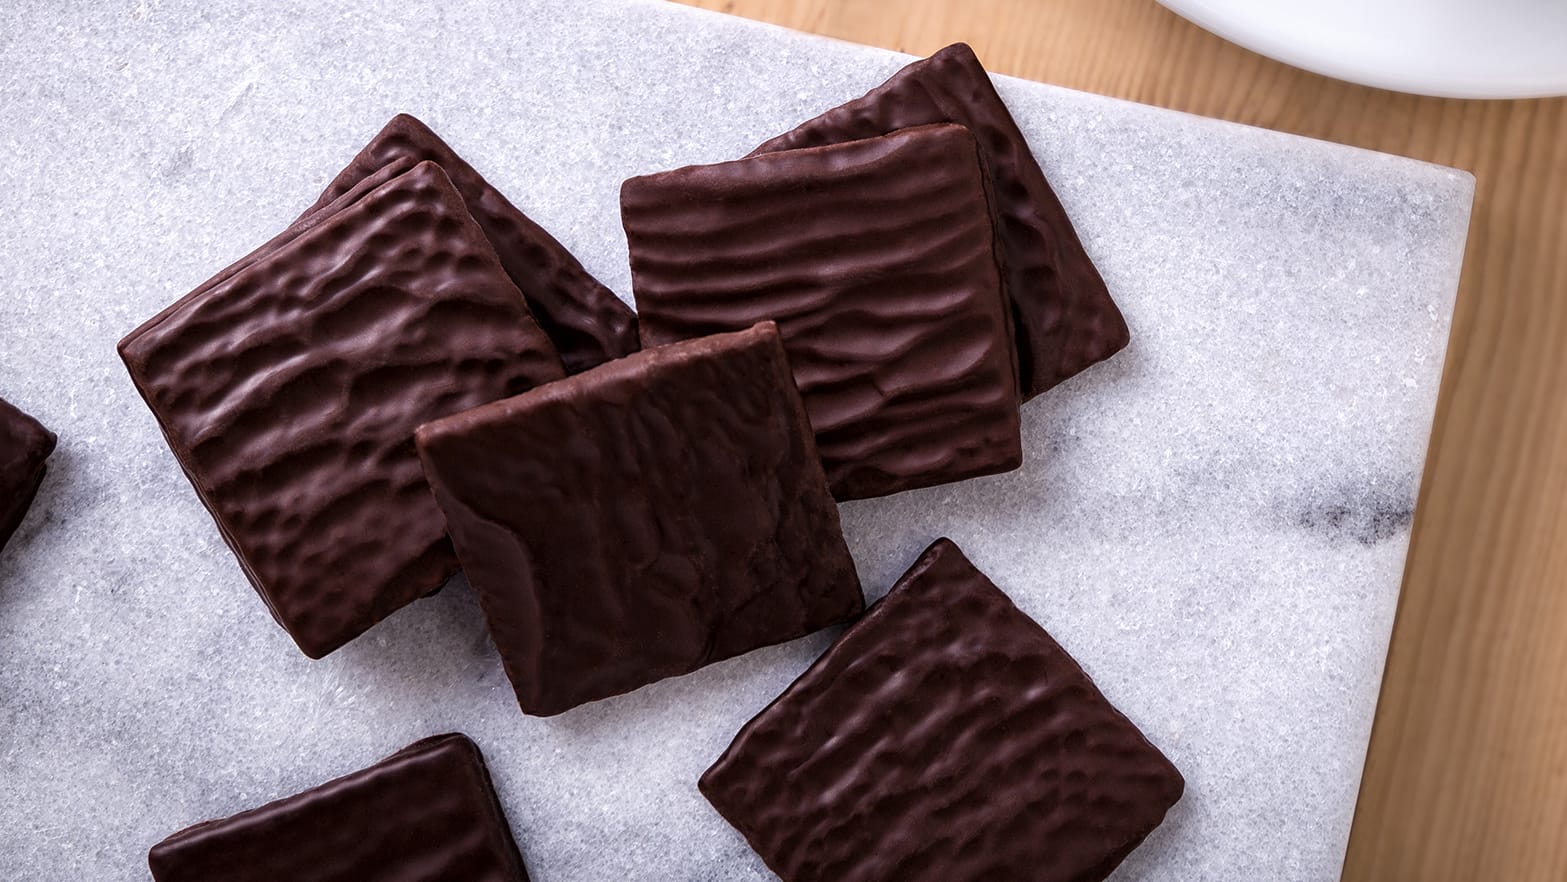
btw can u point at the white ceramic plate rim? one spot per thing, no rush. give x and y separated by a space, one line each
1390 44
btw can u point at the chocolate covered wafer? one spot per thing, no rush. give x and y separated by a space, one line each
25 446
427 813
644 518
1064 318
945 737
879 261
289 391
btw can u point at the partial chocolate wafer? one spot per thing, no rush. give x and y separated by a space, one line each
945 737
1064 318
427 813
289 392
587 322
25 446
878 260
644 518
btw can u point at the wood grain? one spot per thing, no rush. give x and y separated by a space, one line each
1467 774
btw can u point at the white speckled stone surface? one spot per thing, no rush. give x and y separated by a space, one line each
1214 523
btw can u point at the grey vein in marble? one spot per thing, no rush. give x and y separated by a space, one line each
1214 522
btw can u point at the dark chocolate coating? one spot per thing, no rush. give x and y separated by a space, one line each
879 262
289 392
643 519
587 322
944 738
427 813
25 446
1063 316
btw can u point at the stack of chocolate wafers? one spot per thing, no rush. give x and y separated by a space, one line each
415 377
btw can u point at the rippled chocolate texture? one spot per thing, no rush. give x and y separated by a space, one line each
1064 318
944 738
587 322
25 446
879 262
289 391
427 813
643 519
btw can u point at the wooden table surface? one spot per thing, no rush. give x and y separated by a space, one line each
1467 774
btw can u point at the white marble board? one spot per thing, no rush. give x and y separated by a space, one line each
1214 522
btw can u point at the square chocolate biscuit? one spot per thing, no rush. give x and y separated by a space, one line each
643 519
878 260
587 322
427 813
944 738
289 392
25 446
1063 316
